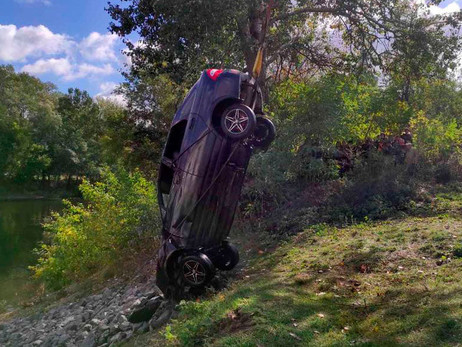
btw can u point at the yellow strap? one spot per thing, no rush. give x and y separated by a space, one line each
258 63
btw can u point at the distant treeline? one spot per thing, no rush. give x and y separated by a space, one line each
55 138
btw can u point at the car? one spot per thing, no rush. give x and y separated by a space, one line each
204 162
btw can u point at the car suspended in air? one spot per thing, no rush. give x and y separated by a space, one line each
203 166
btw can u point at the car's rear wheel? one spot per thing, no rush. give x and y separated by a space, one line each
238 121
196 270
264 133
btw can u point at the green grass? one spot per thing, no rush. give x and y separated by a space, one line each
372 284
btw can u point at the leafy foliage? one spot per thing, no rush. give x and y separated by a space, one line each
377 188
47 136
436 138
116 217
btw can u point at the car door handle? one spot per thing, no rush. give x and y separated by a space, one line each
168 162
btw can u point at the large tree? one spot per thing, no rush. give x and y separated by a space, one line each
176 39
181 37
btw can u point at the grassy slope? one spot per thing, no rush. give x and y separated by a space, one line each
387 283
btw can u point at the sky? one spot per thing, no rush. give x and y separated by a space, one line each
67 42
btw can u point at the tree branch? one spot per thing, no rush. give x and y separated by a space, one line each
305 10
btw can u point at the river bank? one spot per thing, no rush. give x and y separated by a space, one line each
98 319
13 193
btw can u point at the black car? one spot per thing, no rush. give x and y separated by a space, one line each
203 165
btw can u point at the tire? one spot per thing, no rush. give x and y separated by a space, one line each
264 133
196 270
238 121
227 257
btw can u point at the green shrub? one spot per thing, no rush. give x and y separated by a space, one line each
457 251
434 138
117 216
376 188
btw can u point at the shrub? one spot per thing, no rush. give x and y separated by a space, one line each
117 216
434 138
458 251
376 188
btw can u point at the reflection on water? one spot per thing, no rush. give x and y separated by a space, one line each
20 233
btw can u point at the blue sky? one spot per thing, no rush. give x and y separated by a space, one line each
67 42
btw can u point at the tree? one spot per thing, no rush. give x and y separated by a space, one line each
427 48
26 115
179 38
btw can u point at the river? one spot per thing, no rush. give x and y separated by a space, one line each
20 233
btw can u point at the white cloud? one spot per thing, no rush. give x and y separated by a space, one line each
43 2
107 88
99 47
434 10
88 70
19 43
67 71
451 8
107 93
59 67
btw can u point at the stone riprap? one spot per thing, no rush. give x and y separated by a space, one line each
97 320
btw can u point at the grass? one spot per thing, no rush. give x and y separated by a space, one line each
372 284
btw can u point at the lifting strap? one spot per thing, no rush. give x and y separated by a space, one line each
259 58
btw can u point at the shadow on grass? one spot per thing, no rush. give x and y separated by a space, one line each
291 314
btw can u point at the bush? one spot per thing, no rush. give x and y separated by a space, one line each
458 251
118 215
434 138
376 188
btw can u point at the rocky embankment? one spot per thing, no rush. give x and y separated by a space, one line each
101 319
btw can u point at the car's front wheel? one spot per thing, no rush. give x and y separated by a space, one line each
238 121
226 257
264 133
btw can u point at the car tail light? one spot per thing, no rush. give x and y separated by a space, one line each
214 73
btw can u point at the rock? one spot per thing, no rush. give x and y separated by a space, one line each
104 327
72 326
87 327
142 327
67 321
92 321
87 315
128 334
107 294
82 335
90 341
125 326
146 312
62 339
116 338
103 337
163 318
151 295
114 329
95 321
121 318
16 336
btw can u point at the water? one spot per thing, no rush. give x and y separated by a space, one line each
20 233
